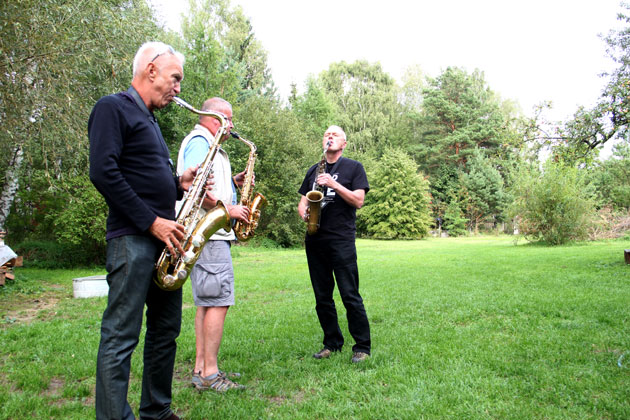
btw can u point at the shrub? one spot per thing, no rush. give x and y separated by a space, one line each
52 255
554 204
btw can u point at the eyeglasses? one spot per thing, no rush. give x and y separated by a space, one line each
168 50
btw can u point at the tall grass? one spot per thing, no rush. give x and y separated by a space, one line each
462 328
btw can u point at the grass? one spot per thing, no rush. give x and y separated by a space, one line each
462 328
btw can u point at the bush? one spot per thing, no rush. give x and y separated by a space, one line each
52 255
554 205
82 220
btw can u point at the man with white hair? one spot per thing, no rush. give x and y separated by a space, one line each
131 168
331 251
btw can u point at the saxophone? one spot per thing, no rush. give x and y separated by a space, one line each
255 203
171 271
315 197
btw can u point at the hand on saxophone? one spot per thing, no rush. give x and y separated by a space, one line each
238 212
169 232
239 179
326 180
187 177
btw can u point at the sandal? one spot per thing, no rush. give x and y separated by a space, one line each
195 380
218 382
229 374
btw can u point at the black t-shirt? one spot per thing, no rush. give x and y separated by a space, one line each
337 217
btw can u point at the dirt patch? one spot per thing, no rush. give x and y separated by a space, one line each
27 311
54 388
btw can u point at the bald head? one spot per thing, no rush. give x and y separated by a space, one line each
220 106
216 104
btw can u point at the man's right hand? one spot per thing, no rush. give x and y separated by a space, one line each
169 232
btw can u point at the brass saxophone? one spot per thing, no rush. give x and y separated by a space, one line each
255 203
315 197
171 271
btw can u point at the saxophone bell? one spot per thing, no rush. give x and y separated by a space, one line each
315 197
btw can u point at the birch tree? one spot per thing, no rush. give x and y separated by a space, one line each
58 57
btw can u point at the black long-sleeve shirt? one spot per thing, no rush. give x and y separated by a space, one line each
130 165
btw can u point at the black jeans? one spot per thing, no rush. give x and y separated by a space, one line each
326 258
130 261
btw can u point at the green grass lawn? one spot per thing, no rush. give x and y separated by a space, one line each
462 328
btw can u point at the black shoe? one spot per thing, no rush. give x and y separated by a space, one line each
323 354
359 356
172 417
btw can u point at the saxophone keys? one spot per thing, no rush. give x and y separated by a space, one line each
182 274
198 240
187 257
168 280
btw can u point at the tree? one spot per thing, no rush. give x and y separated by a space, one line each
610 179
284 154
483 184
366 101
454 220
461 114
51 72
444 187
315 109
578 141
398 203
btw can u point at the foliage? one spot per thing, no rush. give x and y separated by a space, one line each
454 220
461 114
284 154
50 254
483 190
581 138
82 219
315 109
223 58
554 205
444 186
53 71
365 98
610 179
398 204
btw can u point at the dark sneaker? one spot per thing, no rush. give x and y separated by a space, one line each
219 383
359 356
322 354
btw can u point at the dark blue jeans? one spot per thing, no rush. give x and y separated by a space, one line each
326 258
130 262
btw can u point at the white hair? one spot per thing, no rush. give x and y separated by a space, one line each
156 49
338 129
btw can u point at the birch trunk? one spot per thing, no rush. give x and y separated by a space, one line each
11 184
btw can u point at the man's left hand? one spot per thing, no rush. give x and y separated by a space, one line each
239 179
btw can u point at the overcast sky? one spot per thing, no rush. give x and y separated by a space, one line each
530 51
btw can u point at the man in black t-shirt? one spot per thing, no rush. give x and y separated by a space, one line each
331 251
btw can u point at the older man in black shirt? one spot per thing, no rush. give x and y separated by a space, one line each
331 251
130 167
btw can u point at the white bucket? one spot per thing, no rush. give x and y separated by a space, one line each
92 286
